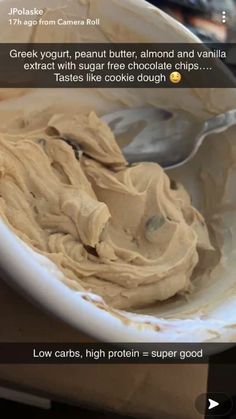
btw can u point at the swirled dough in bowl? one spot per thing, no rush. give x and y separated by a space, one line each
127 233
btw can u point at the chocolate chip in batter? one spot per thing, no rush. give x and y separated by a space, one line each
155 222
152 226
41 142
173 185
91 250
52 132
76 148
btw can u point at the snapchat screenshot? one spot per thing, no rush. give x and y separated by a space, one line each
118 209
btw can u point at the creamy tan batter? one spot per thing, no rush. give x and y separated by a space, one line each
124 232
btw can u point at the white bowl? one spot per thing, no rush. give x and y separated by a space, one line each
209 314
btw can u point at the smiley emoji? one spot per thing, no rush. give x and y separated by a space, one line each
175 77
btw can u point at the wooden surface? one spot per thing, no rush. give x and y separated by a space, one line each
165 391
